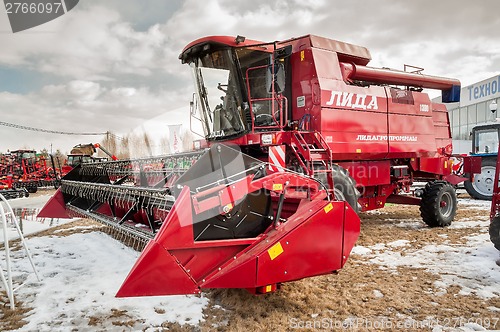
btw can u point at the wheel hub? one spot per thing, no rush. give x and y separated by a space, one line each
445 204
483 183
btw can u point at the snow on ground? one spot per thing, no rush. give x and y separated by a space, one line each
471 266
80 275
26 209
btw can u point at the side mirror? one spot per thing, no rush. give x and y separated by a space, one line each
278 79
283 52
192 105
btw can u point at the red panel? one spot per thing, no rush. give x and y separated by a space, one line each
411 136
177 229
313 248
440 115
355 134
326 64
239 274
202 261
369 173
351 232
311 243
302 85
409 102
55 207
156 273
435 165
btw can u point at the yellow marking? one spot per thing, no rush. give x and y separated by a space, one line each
269 288
277 186
328 208
358 150
445 164
275 251
302 56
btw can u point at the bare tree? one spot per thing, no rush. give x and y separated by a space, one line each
164 145
187 141
110 144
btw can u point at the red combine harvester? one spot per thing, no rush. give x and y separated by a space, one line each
302 135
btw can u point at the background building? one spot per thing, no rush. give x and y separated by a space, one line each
472 110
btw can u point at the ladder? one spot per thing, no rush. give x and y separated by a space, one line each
314 155
7 280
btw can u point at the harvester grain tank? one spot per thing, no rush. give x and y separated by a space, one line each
302 135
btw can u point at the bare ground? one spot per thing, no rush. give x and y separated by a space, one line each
362 290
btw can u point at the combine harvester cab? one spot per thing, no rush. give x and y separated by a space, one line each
212 219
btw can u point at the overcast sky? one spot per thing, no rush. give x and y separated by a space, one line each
113 65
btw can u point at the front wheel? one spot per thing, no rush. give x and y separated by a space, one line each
344 187
495 232
439 204
482 186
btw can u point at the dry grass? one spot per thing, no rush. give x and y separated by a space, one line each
361 289
12 319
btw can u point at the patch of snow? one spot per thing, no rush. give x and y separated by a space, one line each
398 243
475 203
465 223
80 276
360 250
378 246
378 294
472 267
473 327
411 224
26 209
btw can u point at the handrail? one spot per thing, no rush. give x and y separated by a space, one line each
8 282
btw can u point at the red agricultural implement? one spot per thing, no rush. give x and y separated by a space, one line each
302 135
25 170
495 206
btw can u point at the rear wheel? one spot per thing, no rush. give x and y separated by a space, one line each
495 232
482 186
439 204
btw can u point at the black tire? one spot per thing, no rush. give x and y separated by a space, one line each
345 187
495 232
32 189
439 204
482 186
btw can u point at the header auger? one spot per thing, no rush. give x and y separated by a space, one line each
302 136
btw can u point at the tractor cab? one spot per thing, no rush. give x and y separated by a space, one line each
239 86
485 139
24 155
